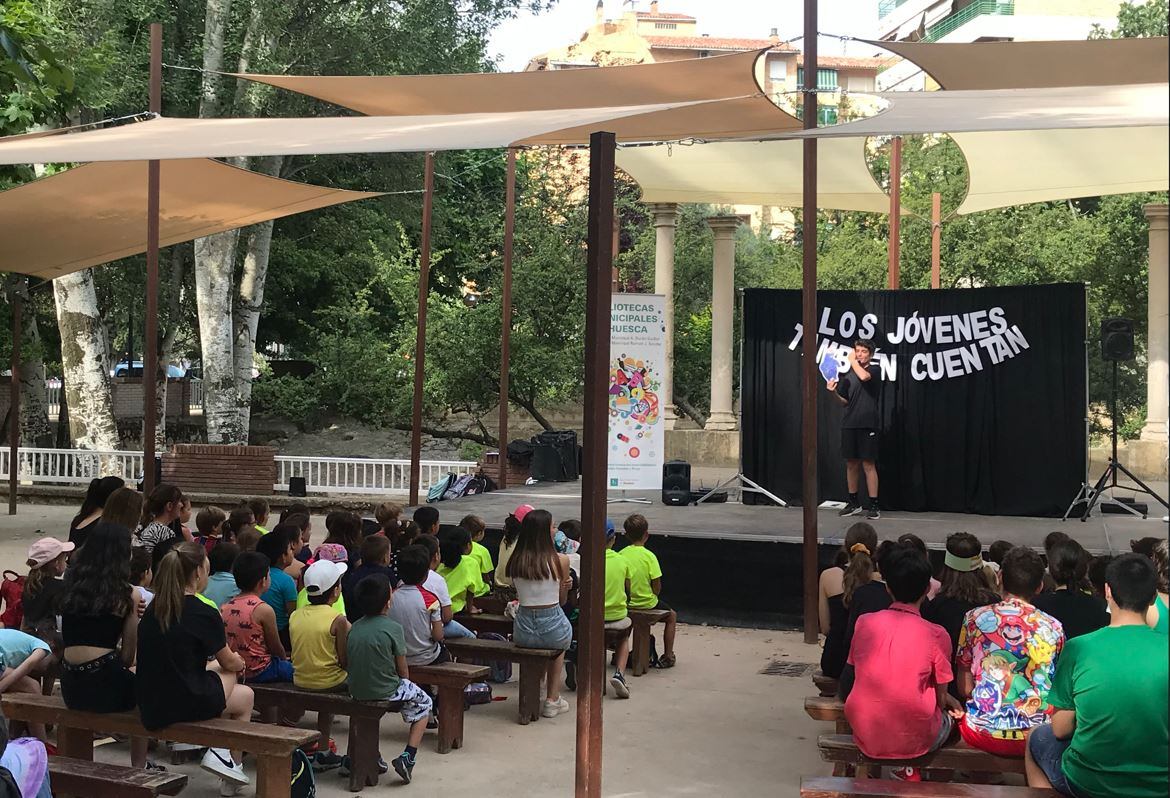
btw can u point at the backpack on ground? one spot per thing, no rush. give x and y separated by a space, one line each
458 487
476 486
12 593
436 492
501 670
303 783
477 693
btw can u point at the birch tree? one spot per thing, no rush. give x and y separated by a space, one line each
85 363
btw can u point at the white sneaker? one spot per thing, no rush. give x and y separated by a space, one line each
219 761
554 708
229 789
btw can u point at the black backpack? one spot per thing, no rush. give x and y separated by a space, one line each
304 783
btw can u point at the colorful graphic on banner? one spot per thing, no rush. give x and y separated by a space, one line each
637 354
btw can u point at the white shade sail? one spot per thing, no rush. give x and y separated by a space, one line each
754 173
1010 109
165 138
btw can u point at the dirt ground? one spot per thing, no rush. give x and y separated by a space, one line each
714 725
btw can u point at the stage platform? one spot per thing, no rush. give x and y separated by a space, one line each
1102 533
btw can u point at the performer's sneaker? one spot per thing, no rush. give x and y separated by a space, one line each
850 509
873 513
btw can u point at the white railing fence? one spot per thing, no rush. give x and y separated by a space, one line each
322 474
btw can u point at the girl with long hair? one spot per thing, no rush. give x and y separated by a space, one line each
1072 601
164 506
124 508
91 508
963 586
43 589
512 525
541 578
345 528
99 629
836 586
177 636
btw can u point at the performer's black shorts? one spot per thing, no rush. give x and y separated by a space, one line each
859 444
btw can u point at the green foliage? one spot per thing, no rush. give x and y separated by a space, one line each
1137 20
293 398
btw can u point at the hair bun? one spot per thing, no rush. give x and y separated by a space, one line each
856 547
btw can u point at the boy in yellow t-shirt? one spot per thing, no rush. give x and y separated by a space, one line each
646 581
478 529
459 569
319 634
617 596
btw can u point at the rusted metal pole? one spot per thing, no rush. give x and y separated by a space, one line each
420 340
506 312
590 632
895 247
810 375
14 399
150 358
936 240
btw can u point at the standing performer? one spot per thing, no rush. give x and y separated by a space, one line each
858 391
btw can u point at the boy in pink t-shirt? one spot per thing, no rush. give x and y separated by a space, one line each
898 703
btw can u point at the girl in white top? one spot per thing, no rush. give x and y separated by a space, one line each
541 578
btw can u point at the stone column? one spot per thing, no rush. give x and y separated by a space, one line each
665 221
1157 375
722 317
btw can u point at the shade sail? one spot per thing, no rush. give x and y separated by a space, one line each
166 137
97 212
1010 109
1014 168
754 173
743 110
1032 65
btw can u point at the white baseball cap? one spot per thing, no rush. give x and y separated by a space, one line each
321 576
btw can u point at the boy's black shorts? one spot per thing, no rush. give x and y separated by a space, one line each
859 444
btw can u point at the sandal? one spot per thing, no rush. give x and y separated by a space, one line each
666 661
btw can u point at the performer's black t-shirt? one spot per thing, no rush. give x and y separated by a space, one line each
862 396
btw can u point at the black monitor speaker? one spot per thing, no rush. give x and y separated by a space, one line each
297 487
1117 339
676 483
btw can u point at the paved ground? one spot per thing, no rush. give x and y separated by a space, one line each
712 726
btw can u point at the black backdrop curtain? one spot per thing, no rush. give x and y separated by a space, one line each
972 421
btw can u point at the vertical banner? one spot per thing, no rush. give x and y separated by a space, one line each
636 356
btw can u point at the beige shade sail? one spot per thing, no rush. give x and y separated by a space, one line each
97 213
1139 105
1014 168
166 137
1034 65
754 173
739 106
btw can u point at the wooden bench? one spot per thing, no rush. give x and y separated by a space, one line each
86 779
830 709
841 748
487 622
450 679
643 622
835 787
532 661
272 746
826 685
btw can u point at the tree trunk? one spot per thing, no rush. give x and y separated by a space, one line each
84 363
250 300
173 287
215 22
34 396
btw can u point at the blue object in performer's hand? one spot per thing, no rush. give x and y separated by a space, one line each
829 367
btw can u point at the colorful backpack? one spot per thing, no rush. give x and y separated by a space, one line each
436 492
477 693
12 593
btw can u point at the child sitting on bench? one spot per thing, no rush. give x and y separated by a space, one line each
251 624
617 614
478 529
378 669
459 569
438 586
417 610
319 655
646 581
897 700
23 656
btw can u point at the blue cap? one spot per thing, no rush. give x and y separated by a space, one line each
610 530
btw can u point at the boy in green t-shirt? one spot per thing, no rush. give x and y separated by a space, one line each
478 529
1108 737
376 649
646 581
617 596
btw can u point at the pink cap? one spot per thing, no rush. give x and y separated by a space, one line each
333 552
522 511
46 550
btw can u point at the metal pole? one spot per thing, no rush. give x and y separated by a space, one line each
590 634
420 341
895 213
811 376
936 240
14 399
150 360
506 317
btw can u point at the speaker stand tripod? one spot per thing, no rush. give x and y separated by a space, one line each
744 485
1093 494
624 499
